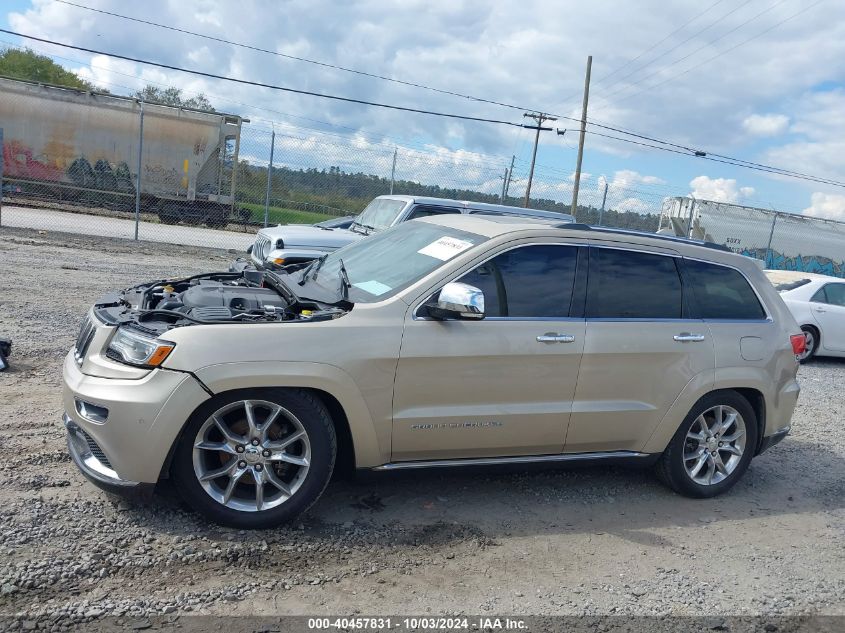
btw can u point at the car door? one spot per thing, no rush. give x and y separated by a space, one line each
828 308
640 348
501 386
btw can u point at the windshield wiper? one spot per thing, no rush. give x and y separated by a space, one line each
312 268
344 280
279 285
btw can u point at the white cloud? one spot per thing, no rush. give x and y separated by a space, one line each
765 124
719 189
819 121
830 206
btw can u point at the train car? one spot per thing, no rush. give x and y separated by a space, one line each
782 241
82 147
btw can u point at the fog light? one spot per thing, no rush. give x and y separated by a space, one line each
91 412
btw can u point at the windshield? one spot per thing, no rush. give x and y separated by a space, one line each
380 266
380 213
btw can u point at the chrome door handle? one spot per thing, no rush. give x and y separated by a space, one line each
819 309
686 337
552 337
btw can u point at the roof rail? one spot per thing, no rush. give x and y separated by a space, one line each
656 236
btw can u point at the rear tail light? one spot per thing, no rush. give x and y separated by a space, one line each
799 343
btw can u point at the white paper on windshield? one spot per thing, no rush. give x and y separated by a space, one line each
374 287
445 248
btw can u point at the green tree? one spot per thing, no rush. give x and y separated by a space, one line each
27 64
173 97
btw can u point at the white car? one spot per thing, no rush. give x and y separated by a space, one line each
818 304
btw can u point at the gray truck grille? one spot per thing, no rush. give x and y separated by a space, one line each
86 333
262 246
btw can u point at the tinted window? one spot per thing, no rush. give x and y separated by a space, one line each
831 293
424 212
628 285
722 292
531 281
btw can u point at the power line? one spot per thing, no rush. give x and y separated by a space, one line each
688 55
260 84
718 158
718 55
684 41
673 48
296 58
655 45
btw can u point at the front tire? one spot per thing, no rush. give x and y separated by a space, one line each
255 458
712 448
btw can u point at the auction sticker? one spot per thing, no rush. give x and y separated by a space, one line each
445 248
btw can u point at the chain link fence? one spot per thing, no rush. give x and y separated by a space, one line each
782 241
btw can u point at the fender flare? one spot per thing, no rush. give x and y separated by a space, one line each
372 448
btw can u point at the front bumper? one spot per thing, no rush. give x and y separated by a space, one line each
144 420
92 462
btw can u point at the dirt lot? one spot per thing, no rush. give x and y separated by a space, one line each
588 541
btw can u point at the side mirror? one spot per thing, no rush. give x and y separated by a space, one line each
457 300
249 249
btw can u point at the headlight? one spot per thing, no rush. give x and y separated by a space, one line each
137 349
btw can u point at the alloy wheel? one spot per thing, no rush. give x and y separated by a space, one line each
251 455
715 443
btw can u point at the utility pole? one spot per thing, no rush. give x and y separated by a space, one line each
508 180
603 200
140 168
393 170
540 119
581 139
269 178
504 184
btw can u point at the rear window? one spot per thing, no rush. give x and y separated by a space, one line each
722 293
632 285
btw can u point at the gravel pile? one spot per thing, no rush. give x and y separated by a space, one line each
583 541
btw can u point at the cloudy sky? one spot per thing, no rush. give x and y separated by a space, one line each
760 80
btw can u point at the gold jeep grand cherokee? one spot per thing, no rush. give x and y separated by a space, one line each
453 340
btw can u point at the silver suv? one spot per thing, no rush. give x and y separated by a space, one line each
449 341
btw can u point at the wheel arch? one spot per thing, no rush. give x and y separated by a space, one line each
345 460
688 399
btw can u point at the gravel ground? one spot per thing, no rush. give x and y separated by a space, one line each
587 541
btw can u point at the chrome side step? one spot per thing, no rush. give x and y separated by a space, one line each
523 459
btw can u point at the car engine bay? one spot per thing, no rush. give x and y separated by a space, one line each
248 296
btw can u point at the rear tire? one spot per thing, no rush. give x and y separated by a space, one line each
701 460
813 338
255 458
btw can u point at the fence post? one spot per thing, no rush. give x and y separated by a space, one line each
771 235
603 200
138 182
691 215
393 171
269 177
